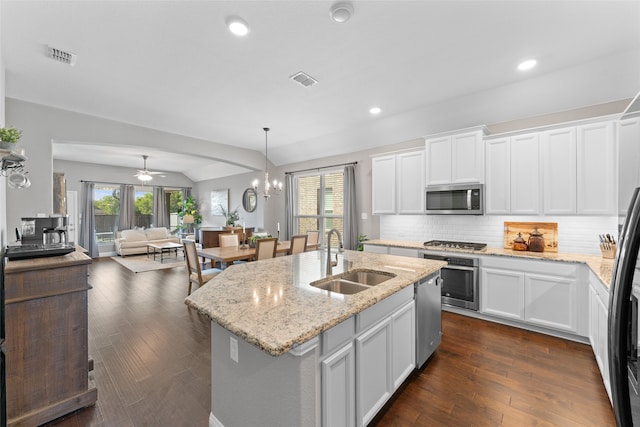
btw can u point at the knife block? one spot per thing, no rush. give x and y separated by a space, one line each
608 250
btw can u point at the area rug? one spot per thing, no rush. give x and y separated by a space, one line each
140 263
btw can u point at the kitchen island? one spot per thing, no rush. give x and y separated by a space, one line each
284 352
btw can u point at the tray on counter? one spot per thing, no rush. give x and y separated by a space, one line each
549 232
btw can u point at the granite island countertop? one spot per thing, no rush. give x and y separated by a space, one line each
272 305
603 268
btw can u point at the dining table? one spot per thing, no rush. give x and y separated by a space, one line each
228 254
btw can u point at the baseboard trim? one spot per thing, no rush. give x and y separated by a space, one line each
213 421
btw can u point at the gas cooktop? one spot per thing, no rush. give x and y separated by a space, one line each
444 244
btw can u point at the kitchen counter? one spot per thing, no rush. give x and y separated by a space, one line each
271 304
603 268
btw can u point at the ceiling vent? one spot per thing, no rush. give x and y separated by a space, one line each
62 56
304 79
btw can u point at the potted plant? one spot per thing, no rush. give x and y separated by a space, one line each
361 239
189 212
252 239
9 137
231 216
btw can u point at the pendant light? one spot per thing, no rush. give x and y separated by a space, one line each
275 185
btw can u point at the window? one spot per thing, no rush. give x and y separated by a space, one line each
319 204
106 202
173 197
144 207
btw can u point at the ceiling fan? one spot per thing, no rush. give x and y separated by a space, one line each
144 175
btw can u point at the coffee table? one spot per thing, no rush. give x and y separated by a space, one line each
163 248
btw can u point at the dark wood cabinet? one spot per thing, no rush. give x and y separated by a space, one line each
209 236
47 362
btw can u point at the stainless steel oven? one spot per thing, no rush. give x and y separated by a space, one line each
459 281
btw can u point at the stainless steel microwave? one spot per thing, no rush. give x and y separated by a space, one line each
455 199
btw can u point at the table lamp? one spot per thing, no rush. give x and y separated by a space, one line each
188 219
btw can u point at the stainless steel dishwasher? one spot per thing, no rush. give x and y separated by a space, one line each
428 317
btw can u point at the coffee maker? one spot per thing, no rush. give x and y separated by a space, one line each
41 237
46 231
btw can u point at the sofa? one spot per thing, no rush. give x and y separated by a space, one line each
130 242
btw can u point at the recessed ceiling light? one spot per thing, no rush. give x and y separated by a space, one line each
375 110
237 26
527 65
341 12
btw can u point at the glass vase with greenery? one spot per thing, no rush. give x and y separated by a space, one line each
231 216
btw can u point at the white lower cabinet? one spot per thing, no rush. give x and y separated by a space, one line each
404 343
516 291
598 324
365 365
551 301
338 388
373 371
502 293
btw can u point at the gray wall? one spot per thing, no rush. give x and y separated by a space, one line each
274 208
74 172
272 211
236 185
41 125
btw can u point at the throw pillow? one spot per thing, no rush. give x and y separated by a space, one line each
134 235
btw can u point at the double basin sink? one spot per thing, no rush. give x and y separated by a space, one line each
353 281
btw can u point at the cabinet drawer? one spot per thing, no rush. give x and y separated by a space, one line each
408 252
376 249
338 335
384 308
561 269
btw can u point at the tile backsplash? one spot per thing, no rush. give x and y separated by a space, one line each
576 234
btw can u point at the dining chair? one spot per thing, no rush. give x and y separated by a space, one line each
228 240
312 240
298 244
196 274
266 248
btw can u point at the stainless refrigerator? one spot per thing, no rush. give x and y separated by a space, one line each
3 380
623 325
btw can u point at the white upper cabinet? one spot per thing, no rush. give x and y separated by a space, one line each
525 174
596 169
565 171
513 175
628 161
467 157
410 182
455 158
559 171
397 183
383 184
498 176
438 154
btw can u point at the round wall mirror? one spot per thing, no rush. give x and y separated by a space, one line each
250 200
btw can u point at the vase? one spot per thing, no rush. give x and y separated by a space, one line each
6 145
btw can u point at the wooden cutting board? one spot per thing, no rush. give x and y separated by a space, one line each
549 231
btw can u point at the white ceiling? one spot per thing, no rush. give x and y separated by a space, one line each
173 66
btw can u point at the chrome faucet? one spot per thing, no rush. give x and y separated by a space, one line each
331 264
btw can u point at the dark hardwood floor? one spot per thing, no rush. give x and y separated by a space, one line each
152 366
487 374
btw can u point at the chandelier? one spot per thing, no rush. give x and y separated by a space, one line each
275 185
